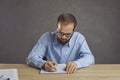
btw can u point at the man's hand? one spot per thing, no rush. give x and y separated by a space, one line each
71 67
50 66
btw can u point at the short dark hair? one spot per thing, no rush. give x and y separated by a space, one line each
67 18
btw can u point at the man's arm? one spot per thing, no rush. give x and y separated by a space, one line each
86 58
35 57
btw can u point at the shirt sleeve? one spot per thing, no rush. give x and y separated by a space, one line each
35 57
86 58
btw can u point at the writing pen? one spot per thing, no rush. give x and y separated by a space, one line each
8 78
4 79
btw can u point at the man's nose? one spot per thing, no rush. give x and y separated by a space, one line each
64 37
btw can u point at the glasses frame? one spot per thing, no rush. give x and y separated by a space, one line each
64 34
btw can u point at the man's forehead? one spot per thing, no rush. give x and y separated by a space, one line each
65 29
62 24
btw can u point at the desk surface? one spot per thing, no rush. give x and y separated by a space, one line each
94 72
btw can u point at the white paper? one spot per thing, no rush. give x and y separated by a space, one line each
9 73
60 69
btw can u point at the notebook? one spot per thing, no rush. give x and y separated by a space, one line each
8 74
60 70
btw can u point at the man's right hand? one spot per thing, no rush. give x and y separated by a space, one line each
50 66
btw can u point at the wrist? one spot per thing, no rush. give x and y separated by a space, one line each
43 67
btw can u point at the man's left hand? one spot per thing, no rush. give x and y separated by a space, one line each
71 67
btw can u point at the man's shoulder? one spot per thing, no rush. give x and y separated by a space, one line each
77 38
48 34
78 35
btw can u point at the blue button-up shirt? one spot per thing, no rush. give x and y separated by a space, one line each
76 50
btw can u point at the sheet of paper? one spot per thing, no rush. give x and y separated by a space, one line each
60 69
12 74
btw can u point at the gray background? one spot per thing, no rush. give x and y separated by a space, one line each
22 22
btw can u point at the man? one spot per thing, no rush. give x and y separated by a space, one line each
62 46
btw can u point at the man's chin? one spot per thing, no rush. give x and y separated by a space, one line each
63 42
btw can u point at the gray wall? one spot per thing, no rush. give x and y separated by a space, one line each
22 22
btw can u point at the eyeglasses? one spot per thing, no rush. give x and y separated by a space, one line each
62 34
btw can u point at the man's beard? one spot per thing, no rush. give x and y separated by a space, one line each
63 41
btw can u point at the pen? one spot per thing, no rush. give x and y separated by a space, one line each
8 78
1 78
4 79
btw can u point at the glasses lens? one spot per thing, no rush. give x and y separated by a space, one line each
62 34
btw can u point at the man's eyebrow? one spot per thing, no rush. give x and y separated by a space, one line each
64 33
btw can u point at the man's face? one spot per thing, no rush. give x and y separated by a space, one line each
64 32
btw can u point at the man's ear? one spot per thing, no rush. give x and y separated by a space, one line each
58 26
75 29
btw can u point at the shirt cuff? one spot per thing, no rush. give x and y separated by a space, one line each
41 63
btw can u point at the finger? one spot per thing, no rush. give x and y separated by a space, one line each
71 69
52 69
68 67
49 67
54 63
74 68
50 64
